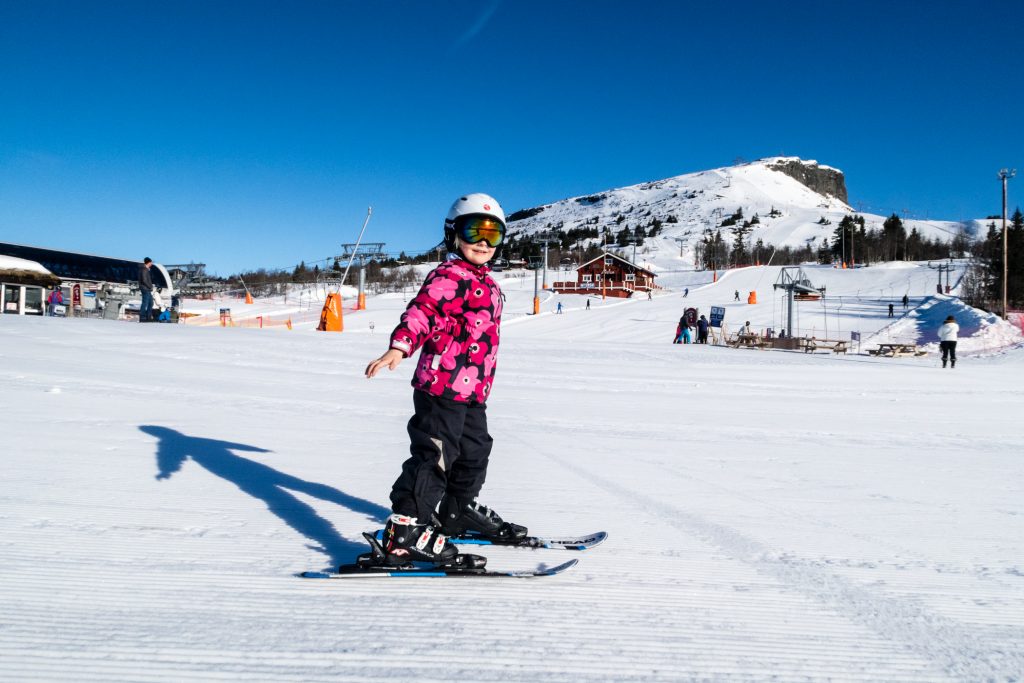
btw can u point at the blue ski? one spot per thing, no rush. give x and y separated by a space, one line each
355 571
564 543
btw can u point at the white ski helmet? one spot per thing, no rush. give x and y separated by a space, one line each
477 203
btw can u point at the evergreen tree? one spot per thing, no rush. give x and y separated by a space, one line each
1015 281
739 255
894 238
914 246
841 237
824 254
991 260
759 250
987 271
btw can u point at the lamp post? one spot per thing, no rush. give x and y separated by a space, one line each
1004 175
536 294
604 255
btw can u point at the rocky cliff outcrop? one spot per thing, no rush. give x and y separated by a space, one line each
821 179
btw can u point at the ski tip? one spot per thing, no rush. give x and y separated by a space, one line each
314 575
551 571
587 542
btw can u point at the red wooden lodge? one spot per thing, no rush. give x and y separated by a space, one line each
610 274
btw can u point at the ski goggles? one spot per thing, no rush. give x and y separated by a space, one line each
477 228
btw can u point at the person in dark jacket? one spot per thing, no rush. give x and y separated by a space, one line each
682 332
146 286
702 330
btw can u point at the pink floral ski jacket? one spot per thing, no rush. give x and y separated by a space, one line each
455 318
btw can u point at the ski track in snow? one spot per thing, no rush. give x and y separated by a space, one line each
947 644
772 516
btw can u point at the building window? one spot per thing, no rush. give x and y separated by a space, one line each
630 277
33 300
587 277
12 299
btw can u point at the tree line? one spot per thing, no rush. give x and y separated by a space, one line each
852 241
983 283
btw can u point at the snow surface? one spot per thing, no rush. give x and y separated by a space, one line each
772 515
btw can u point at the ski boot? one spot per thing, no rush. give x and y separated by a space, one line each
472 519
406 541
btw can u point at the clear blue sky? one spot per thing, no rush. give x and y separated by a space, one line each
254 134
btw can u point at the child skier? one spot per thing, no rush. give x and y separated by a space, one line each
455 318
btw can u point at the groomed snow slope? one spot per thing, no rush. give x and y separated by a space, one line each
772 515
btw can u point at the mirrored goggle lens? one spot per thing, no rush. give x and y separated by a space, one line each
490 230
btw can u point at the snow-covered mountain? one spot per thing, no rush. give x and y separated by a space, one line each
789 196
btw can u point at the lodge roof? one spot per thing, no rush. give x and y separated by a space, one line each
20 276
19 271
617 257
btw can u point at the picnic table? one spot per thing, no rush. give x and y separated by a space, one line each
835 345
752 341
892 350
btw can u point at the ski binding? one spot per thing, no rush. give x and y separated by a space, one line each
372 564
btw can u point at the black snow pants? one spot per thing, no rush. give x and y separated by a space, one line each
948 351
449 447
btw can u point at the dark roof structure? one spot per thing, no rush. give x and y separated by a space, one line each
69 265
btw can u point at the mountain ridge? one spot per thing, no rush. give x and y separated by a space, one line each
797 203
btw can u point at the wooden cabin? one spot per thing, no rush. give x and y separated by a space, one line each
611 275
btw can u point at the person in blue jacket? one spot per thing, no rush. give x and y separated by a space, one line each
702 330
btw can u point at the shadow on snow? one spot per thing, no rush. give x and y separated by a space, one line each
265 483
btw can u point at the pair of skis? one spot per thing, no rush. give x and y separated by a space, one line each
371 570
